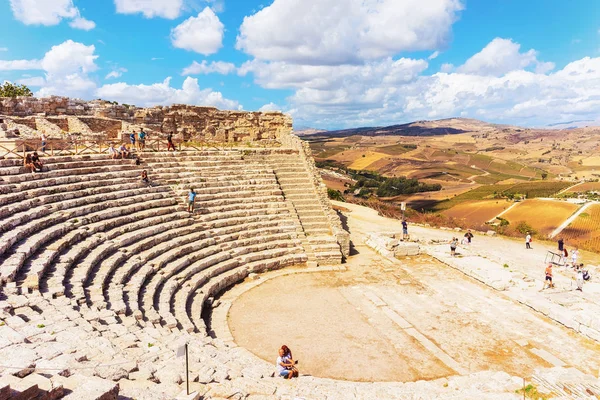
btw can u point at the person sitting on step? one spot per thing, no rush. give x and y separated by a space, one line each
284 366
145 178
28 163
124 151
37 163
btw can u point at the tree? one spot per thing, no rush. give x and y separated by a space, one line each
14 90
544 175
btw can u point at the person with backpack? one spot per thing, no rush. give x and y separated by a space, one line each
528 241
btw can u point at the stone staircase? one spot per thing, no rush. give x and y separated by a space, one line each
41 387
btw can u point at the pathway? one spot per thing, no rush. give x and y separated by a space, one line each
569 220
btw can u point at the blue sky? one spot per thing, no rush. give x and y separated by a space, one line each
329 63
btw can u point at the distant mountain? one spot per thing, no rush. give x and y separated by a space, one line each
305 131
448 126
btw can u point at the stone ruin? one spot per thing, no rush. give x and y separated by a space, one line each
27 117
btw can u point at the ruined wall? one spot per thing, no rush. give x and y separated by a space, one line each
204 124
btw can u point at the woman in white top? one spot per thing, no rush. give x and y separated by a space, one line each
284 365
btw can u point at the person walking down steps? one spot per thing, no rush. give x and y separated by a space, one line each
528 241
191 200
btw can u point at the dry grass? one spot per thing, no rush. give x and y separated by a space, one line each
542 215
369 158
478 212
584 232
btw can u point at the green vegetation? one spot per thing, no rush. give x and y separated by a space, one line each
41 326
531 392
12 90
335 195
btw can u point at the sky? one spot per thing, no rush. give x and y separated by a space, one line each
331 64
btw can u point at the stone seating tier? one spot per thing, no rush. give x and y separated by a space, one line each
114 267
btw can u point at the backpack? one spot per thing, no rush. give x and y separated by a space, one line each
566 253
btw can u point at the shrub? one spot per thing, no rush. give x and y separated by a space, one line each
335 195
523 227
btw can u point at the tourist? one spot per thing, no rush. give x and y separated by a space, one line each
28 163
124 151
404 229
453 245
132 140
37 163
142 139
44 139
170 145
561 245
574 256
548 277
579 279
284 366
145 178
113 152
528 241
287 354
468 236
191 200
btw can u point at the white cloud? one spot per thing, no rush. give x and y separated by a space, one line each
434 55
157 58
49 12
70 57
116 73
16 65
447 67
501 56
35 81
281 75
3 48
164 94
270 107
82 23
170 9
202 34
345 31
218 67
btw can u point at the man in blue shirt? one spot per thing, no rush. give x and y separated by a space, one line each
191 199
132 140
404 229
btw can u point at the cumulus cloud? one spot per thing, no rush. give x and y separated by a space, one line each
16 65
49 12
169 9
164 94
270 107
70 57
501 56
202 34
35 81
281 75
218 67
82 23
345 31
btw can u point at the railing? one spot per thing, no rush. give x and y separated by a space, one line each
64 147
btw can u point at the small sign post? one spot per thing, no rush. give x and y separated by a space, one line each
181 351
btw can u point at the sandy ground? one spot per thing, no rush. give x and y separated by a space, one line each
402 321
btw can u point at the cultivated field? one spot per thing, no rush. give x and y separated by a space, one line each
478 212
542 215
585 187
584 232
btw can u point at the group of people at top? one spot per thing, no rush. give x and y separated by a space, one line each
582 274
